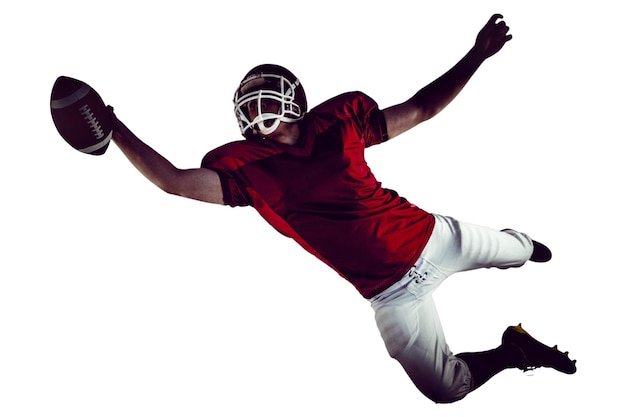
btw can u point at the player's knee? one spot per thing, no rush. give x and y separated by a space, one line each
447 399
445 395
446 387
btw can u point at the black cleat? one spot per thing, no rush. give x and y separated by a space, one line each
535 354
541 253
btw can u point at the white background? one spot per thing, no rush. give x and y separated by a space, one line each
117 299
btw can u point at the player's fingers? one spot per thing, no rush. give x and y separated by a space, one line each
495 17
502 27
491 24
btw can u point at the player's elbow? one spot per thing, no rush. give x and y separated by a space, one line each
168 188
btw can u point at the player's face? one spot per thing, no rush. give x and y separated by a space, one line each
267 106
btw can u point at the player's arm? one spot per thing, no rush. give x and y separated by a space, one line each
433 98
199 184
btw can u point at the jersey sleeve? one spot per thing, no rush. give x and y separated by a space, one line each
234 192
371 119
374 126
361 110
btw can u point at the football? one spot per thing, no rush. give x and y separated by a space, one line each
80 116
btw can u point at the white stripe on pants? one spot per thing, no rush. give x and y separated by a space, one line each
406 314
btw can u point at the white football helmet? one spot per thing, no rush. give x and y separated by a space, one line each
268 94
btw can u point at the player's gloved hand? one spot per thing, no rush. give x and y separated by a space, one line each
492 37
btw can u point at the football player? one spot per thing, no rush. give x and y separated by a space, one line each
304 171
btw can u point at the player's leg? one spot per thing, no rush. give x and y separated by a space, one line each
409 325
484 365
518 350
459 246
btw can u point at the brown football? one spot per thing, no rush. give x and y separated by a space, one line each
80 116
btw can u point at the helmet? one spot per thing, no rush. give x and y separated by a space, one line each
268 94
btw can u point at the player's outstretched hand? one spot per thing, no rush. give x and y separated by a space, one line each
117 124
492 37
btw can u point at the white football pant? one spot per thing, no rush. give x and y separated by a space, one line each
406 314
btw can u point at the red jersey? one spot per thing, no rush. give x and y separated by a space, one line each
321 193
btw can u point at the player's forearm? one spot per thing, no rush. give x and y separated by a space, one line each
433 98
149 162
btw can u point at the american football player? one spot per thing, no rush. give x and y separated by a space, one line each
304 171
